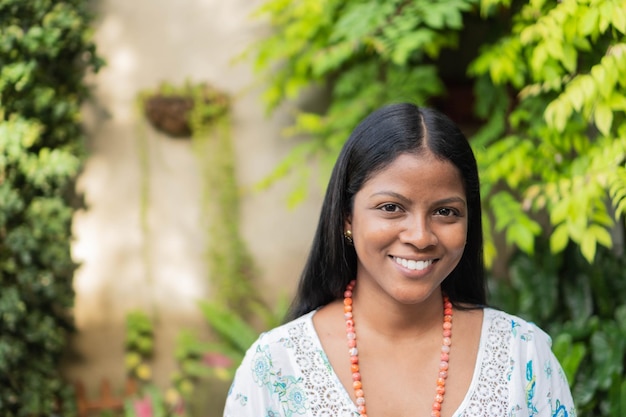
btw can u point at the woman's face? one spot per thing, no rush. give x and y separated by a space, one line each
409 226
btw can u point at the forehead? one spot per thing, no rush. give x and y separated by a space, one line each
423 171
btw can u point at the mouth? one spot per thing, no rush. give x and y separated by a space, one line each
413 264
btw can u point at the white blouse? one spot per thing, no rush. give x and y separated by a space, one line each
286 373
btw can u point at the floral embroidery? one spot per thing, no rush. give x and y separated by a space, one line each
530 388
511 369
291 395
560 411
548 369
261 366
242 399
514 326
286 342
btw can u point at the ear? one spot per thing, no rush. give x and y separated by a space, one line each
347 223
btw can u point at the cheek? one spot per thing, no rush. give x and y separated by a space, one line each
373 236
371 231
456 237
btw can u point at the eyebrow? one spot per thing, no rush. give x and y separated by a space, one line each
448 200
451 200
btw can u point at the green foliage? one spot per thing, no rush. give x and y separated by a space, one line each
583 307
45 49
364 53
230 264
562 147
197 360
139 350
139 345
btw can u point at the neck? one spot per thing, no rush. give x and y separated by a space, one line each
425 307
394 320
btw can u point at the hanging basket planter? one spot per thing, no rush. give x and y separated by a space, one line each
180 111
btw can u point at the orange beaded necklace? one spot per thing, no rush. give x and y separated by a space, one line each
354 353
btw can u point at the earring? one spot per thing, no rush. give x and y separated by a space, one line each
348 235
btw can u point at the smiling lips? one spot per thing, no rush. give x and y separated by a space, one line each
414 265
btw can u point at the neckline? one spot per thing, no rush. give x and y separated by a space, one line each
487 315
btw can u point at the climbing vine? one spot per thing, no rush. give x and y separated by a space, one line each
200 113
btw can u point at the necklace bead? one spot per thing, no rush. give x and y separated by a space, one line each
354 353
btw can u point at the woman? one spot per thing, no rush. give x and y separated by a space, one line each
390 316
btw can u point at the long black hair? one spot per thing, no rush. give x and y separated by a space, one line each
374 144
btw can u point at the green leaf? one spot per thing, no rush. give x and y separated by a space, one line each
608 352
620 318
559 238
569 354
617 394
601 235
569 58
588 247
557 113
407 44
619 17
576 96
560 211
360 19
603 118
588 23
604 81
522 236
231 327
332 58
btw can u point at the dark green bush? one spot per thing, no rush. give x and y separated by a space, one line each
583 307
45 50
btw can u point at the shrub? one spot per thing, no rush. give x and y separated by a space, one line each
45 49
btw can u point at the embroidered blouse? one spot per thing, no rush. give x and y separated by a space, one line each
286 373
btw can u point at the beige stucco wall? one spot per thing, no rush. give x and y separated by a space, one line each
162 270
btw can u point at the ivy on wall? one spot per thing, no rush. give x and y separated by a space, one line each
200 113
45 50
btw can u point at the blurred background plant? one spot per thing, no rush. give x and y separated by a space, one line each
148 400
199 362
199 112
236 312
45 50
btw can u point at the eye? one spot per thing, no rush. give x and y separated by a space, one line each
446 212
390 208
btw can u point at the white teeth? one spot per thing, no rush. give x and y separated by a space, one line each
414 265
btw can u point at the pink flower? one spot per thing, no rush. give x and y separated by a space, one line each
217 360
143 407
179 409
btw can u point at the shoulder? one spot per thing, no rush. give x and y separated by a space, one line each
270 371
286 372
536 380
280 343
515 328
295 328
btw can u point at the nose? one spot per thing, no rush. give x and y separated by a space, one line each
419 233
